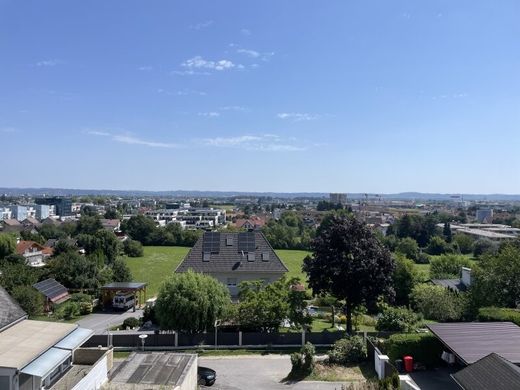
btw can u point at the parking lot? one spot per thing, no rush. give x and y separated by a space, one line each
258 373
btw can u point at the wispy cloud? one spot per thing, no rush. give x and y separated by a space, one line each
297 116
49 63
264 56
233 108
246 32
211 114
202 25
8 130
182 92
265 142
145 68
198 62
132 140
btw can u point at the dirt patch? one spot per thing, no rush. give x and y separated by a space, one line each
336 373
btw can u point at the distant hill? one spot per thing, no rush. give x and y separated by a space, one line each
417 196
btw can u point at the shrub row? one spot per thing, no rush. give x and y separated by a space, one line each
499 314
424 348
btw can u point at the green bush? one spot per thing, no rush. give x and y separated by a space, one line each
70 310
29 299
448 266
296 362
130 322
133 248
349 350
425 348
303 362
398 319
438 303
499 314
85 308
423 258
80 297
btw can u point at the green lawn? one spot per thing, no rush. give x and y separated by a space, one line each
157 263
293 259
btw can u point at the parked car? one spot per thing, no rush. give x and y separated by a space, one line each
206 376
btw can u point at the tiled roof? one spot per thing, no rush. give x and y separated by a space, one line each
22 246
230 259
491 372
11 222
10 311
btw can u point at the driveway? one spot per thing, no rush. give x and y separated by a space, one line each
257 373
100 322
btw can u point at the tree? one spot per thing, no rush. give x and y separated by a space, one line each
14 275
29 299
437 246
349 263
437 303
49 231
446 231
191 302
496 281
121 271
262 307
404 279
408 247
297 297
133 248
139 228
7 245
464 241
88 224
448 266
112 213
102 242
75 271
484 246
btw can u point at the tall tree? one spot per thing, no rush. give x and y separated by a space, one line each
191 302
350 263
7 245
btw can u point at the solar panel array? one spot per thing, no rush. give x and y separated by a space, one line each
50 288
246 242
211 242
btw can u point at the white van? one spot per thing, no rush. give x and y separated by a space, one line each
124 301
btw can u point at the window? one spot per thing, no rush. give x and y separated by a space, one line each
232 282
206 256
265 256
250 257
229 241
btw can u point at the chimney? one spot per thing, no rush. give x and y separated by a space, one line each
465 277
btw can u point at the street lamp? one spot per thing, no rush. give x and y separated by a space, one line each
143 338
217 324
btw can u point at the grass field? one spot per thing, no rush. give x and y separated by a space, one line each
158 263
293 259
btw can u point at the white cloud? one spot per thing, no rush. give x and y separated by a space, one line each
211 114
202 25
198 62
129 139
49 63
264 56
138 141
245 32
265 142
233 108
183 92
8 130
145 68
297 116
189 72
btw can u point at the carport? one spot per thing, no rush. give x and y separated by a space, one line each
472 341
109 290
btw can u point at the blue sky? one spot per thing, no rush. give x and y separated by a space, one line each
354 96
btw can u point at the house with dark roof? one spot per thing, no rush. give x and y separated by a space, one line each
11 225
53 292
232 258
490 372
456 285
10 310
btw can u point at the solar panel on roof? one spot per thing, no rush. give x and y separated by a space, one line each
211 242
50 288
246 242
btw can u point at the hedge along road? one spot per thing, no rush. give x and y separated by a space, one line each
258 373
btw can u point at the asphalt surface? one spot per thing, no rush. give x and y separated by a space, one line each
257 373
100 322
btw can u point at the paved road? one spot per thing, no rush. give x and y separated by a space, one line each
99 322
257 373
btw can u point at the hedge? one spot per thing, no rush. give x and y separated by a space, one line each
425 348
499 314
